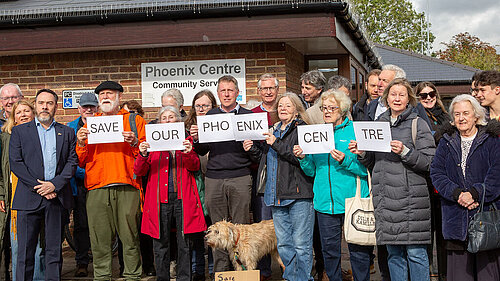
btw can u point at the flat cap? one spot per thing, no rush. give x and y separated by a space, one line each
108 85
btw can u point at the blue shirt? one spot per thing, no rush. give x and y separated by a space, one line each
49 151
270 198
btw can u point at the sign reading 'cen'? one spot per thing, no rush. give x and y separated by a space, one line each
315 139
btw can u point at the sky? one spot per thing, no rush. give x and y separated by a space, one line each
450 17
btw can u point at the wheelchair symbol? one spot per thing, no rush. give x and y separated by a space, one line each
68 102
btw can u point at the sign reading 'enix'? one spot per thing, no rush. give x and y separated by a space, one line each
189 77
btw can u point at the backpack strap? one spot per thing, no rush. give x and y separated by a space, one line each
133 125
414 130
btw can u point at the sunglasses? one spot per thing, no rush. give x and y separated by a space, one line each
431 94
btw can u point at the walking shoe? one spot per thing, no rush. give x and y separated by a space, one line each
346 275
81 270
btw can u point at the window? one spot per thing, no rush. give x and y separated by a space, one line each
328 67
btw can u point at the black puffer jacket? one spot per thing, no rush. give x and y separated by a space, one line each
291 183
400 193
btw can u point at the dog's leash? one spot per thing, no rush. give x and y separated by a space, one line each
236 254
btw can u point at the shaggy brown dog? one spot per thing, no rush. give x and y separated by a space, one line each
245 243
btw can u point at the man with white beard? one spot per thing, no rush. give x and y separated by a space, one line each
113 198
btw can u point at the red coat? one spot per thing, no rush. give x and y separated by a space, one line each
157 165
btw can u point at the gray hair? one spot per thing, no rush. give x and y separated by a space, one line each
175 94
268 76
343 101
11 85
399 72
314 78
336 82
172 109
479 111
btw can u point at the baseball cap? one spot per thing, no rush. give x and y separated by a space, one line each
88 99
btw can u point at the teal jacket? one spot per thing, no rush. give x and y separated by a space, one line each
334 182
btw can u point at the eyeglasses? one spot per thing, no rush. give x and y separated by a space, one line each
202 106
431 94
267 89
328 108
11 98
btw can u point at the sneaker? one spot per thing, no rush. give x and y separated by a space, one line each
81 270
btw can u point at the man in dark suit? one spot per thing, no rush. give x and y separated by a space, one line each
43 158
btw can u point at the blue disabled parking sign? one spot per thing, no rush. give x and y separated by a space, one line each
68 102
71 98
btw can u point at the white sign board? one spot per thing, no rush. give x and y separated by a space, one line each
166 136
250 126
71 98
373 136
105 129
189 77
216 127
315 139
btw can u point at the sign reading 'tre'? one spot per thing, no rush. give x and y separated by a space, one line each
214 128
373 136
315 139
250 126
166 136
105 129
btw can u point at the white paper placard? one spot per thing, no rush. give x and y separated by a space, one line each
105 129
315 139
250 126
216 127
166 136
373 136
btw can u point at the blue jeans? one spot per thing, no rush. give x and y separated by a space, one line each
39 271
294 225
330 230
413 256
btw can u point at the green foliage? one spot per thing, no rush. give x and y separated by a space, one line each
394 23
468 49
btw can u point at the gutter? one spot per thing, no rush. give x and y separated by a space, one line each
162 13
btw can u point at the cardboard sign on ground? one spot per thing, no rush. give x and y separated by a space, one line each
249 275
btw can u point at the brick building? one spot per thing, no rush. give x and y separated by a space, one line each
73 45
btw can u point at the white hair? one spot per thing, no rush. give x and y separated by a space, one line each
11 85
399 72
479 111
267 76
175 94
172 109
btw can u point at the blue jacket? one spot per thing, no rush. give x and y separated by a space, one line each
482 168
334 181
80 172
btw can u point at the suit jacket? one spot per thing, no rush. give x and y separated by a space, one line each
419 110
26 162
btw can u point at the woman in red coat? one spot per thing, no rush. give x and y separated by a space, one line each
171 193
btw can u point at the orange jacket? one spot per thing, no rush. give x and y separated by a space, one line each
108 163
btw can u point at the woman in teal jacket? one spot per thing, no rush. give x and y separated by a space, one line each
335 176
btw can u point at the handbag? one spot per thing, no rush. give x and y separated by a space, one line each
359 220
484 229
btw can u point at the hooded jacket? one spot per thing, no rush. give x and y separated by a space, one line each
400 193
482 171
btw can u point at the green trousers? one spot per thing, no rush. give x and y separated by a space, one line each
112 210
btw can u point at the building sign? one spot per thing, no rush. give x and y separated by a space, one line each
71 98
189 77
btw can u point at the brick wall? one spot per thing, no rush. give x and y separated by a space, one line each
85 70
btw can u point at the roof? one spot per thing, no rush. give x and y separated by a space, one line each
420 67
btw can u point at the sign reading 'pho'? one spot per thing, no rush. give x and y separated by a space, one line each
189 77
315 139
214 128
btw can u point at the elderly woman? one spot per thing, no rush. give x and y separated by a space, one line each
335 176
400 193
22 112
466 168
288 191
171 193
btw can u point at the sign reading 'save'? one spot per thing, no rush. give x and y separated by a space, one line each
105 129
250 126
214 128
373 136
315 139
167 136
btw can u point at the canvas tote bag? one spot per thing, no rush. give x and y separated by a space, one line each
359 220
